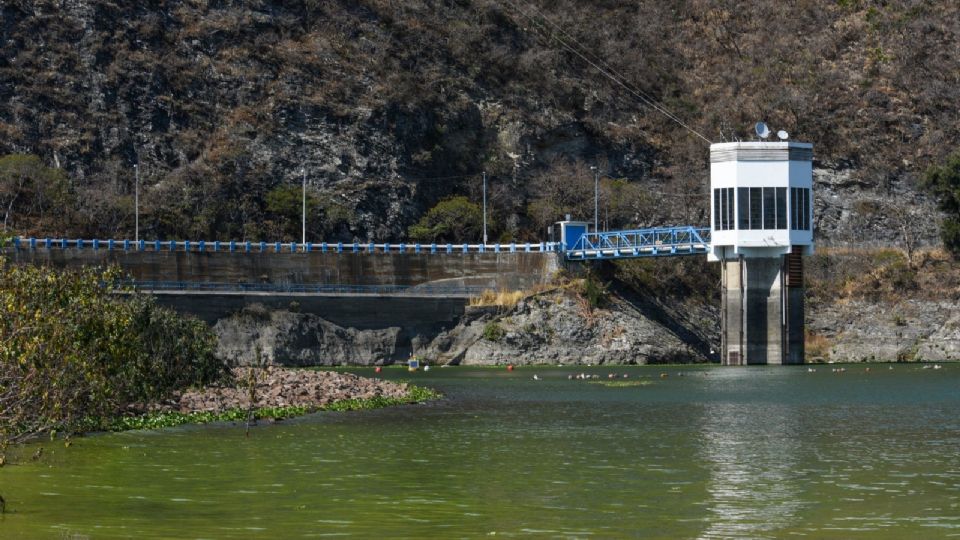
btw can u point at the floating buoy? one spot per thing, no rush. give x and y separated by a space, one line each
663 375
426 368
377 369
535 377
509 367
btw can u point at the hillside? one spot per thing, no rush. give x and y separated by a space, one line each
389 107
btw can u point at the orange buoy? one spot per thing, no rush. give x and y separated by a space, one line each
377 369
509 367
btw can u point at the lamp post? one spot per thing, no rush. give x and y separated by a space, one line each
303 236
484 207
136 203
596 197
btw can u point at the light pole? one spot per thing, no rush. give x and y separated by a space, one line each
303 237
484 207
136 203
596 197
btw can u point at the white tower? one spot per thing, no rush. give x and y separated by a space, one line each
761 224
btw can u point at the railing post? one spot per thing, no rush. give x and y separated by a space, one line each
233 246
126 245
277 248
433 248
201 245
173 246
216 245
110 245
339 247
309 247
263 247
449 248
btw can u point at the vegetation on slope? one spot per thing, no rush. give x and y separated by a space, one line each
944 181
391 107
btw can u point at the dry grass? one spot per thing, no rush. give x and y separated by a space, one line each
507 299
817 346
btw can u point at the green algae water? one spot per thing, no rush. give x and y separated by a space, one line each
703 453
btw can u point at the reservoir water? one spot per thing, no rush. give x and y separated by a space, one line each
705 452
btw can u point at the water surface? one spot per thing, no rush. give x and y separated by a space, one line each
703 453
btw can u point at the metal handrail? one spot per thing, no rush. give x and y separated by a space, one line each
309 288
201 246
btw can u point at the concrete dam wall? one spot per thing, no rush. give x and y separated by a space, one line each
496 271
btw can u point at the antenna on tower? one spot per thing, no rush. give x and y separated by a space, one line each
762 130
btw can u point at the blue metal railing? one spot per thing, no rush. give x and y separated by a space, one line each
654 242
659 241
203 246
308 288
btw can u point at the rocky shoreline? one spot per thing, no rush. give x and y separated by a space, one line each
279 387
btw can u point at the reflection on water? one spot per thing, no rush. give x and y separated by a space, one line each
701 453
752 457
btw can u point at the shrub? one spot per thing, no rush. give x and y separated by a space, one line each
944 182
452 220
492 331
73 351
595 291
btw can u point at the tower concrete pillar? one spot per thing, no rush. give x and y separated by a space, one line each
762 311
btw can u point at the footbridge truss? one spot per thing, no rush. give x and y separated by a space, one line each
654 242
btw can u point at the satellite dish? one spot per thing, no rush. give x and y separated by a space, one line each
762 130
783 135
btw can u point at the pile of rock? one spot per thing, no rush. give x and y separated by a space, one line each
281 387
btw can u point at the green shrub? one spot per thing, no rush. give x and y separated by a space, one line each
72 349
595 291
451 220
492 331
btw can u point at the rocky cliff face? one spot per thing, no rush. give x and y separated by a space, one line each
547 328
301 339
388 107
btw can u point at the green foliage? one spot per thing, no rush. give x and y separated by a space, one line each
415 394
492 331
71 348
944 182
595 291
452 220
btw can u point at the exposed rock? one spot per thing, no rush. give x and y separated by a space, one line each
555 327
910 330
301 339
560 328
279 387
